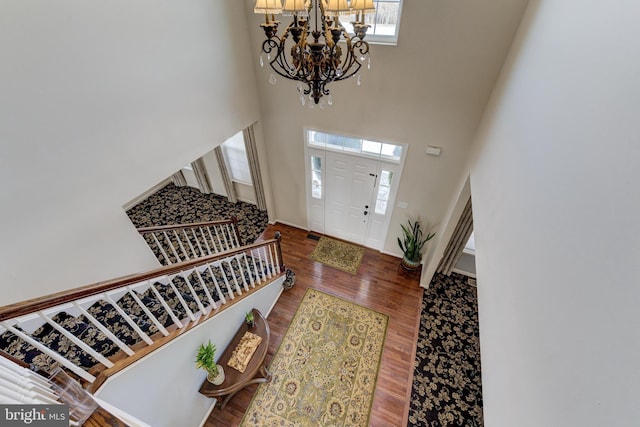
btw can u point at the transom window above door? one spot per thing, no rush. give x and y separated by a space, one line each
375 149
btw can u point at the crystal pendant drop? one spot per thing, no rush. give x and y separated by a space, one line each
268 57
369 64
362 57
338 72
329 100
359 81
272 79
261 61
299 87
303 99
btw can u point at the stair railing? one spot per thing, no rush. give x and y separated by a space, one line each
182 242
155 307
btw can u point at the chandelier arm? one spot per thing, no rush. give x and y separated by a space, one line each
286 69
352 64
268 46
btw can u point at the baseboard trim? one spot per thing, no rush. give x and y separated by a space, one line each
144 196
391 254
290 224
464 273
208 413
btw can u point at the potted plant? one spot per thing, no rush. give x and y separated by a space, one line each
249 319
205 359
412 244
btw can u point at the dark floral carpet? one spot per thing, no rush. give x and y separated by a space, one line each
447 387
180 205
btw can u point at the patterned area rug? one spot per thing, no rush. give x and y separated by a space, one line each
176 205
338 254
447 387
325 370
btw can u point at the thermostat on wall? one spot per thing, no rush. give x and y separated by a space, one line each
433 151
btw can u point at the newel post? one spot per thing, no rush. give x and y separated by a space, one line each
278 237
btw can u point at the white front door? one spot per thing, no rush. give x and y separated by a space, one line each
350 184
350 195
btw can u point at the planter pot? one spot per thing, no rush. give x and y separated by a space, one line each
218 379
290 280
409 264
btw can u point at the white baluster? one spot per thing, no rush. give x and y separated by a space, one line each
182 301
248 270
230 292
12 383
54 355
148 312
233 276
26 373
185 276
182 249
225 233
232 236
188 240
213 241
175 319
220 244
77 341
173 248
262 272
223 300
164 254
95 322
269 260
22 381
195 237
205 240
128 319
212 302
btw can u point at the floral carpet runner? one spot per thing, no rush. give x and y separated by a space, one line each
325 370
338 254
447 385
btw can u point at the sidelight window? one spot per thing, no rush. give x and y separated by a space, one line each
316 177
384 189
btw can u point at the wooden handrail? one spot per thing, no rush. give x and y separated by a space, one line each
189 225
41 303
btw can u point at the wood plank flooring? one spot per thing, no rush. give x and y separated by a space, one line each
378 285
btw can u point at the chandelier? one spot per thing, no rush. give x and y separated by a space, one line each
308 51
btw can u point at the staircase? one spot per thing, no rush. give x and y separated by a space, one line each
95 331
176 243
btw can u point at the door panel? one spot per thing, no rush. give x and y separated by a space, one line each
350 184
342 187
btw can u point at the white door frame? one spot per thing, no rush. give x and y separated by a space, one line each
316 206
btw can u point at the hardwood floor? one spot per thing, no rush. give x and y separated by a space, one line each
378 285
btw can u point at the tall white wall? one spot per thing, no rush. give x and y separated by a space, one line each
430 89
556 210
99 101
